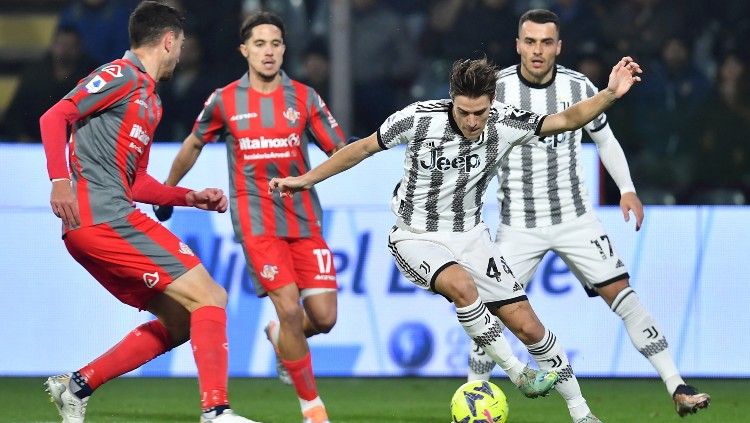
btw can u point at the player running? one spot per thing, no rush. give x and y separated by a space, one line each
544 205
112 115
266 120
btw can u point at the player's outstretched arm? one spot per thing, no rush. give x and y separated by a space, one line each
344 159
624 74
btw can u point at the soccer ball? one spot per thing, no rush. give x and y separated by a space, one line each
479 402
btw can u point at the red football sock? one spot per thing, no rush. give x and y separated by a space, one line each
302 376
208 334
140 346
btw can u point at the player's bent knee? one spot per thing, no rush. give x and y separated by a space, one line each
611 291
290 313
196 289
522 321
455 283
530 332
324 324
462 291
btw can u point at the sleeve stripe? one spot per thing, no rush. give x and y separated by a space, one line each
380 140
539 125
601 126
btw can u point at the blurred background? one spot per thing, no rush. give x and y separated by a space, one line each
684 130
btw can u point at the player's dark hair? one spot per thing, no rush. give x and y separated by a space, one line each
151 20
540 16
260 18
473 78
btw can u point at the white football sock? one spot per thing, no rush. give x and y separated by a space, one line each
480 364
647 337
549 355
485 330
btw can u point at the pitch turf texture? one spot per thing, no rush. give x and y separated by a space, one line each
366 400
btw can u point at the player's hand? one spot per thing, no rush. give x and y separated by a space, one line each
64 204
163 213
630 202
288 186
209 199
624 74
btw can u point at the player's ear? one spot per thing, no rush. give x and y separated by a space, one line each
559 47
169 41
243 50
518 46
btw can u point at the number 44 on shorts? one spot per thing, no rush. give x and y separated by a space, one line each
494 272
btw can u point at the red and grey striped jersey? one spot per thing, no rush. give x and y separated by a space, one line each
111 141
266 136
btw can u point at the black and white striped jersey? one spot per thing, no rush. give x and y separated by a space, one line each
540 183
445 174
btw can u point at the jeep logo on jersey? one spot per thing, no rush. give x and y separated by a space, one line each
291 115
138 133
292 140
443 163
151 279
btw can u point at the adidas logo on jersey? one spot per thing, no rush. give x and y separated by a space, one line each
517 287
443 163
242 116
619 264
138 133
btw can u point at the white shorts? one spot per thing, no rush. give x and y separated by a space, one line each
422 256
581 243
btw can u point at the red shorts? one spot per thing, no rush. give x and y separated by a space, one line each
275 262
134 257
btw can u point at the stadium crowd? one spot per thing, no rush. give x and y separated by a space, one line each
682 129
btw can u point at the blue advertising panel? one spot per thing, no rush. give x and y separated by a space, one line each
686 265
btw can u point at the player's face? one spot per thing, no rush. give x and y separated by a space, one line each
538 44
173 45
264 51
471 114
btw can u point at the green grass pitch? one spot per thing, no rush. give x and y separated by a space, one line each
368 400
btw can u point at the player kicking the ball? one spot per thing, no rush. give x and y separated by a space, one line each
439 242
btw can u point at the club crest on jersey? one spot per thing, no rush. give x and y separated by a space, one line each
184 249
269 271
291 115
95 85
114 70
151 279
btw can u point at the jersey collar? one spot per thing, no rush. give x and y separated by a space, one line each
533 85
245 80
132 58
452 121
